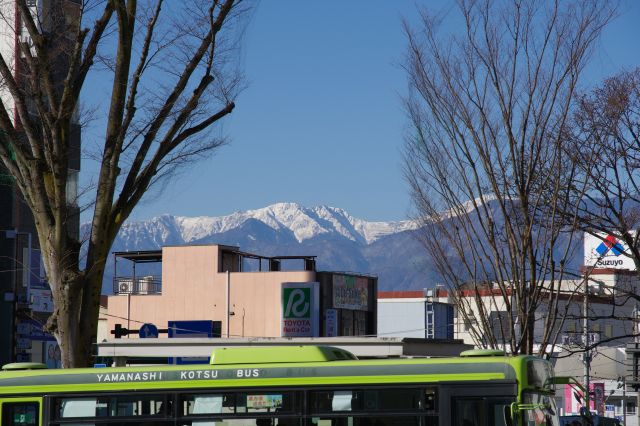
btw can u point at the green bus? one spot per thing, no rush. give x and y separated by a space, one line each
287 386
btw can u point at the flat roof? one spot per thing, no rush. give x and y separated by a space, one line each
143 256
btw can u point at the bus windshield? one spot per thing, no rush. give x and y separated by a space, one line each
545 412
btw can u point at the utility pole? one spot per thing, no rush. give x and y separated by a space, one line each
624 400
585 336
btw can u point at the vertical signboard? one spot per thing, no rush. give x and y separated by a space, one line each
350 292
597 390
52 355
40 300
331 322
300 310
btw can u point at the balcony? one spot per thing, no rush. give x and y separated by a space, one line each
140 276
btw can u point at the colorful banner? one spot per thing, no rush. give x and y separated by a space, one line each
596 403
350 292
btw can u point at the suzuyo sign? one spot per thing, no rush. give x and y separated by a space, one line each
300 309
606 251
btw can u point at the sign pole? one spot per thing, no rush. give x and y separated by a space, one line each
228 304
587 356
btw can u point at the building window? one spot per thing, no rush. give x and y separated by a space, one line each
72 188
500 325
608 330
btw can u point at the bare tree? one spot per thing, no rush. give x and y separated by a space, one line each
605 144
172 79
485 161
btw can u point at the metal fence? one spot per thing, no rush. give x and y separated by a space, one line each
137 285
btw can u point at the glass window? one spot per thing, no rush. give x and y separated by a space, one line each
371 421
262 421
72 187
479 411
545 413
468 412
208 404
112 406
368 400
20 413
239 403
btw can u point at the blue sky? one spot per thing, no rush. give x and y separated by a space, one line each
321 120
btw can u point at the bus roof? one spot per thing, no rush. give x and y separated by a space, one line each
276 354
287 369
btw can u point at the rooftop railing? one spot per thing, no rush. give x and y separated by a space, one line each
149 284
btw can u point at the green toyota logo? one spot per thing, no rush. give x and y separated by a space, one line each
297 303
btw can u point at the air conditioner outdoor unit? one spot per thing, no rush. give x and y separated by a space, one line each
125 287
145 284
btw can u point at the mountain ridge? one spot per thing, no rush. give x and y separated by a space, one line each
304 222
340 241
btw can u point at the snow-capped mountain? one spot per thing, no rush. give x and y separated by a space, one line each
303 223
390 250
341 242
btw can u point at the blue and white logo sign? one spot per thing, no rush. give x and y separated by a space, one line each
606 251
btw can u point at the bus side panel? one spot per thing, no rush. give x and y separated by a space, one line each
21 411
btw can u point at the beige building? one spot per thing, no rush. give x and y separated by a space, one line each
244 294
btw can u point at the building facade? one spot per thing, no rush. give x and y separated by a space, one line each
404 314
244 294
414 314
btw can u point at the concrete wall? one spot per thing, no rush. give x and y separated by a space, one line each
401 318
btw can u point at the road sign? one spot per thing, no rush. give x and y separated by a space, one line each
148 331
198 328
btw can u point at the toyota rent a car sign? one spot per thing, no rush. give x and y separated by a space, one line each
300 309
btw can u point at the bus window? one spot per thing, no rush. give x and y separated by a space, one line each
477 411
263 421
111 406
262 402
544 413
79 407
365 420
371 400
468 412
20 413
